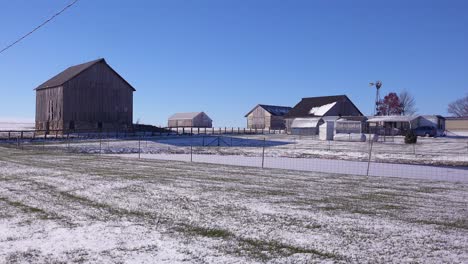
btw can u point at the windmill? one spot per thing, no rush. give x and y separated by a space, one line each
377 85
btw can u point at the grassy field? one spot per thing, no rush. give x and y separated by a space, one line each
57 207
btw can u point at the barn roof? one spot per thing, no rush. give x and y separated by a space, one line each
190 115
72 72
272 109
316 106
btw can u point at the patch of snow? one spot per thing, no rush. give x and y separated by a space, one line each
321 110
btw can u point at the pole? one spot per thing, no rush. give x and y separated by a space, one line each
370 157
191 151
100 143
139 147
263 153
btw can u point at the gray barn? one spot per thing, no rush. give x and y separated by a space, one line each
193 119
267 117
91 95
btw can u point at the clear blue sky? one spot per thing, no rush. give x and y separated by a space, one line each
224 57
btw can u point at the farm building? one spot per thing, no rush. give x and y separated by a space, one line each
456 123
398 125
91 95
267 117
193 119
306 117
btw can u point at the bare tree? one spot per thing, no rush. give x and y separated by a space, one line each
407 103
459 107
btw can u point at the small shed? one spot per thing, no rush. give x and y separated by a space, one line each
306 126
192 119
267 117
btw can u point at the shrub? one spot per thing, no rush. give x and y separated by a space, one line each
411 138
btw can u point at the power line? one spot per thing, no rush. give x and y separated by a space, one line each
38 27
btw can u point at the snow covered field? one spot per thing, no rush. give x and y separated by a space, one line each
435 151
57 207
16 124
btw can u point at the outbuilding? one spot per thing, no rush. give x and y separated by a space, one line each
267 117
306 117
90 96
192 119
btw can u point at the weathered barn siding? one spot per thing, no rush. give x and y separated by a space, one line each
49 108
267 117
85 96
259 118
98 96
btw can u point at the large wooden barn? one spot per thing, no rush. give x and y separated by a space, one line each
267 117
91 95
193 119
306 117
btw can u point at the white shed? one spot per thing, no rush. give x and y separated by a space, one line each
192 119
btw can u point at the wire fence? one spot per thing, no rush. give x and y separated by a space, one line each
435 159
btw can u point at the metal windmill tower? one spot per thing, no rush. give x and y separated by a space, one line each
377 85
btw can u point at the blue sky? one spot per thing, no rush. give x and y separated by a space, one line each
224 57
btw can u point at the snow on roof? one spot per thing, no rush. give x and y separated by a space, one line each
189 115
321 110
392 118
305 122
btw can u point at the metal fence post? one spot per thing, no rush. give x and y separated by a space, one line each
191 151
139 147
263 153
100 143
370 157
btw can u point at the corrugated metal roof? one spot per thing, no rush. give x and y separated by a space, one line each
72 72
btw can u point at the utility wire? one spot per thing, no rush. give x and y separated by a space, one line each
38 27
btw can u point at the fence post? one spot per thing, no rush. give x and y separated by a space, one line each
191 151
263 153
100 143
139 147
370 157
